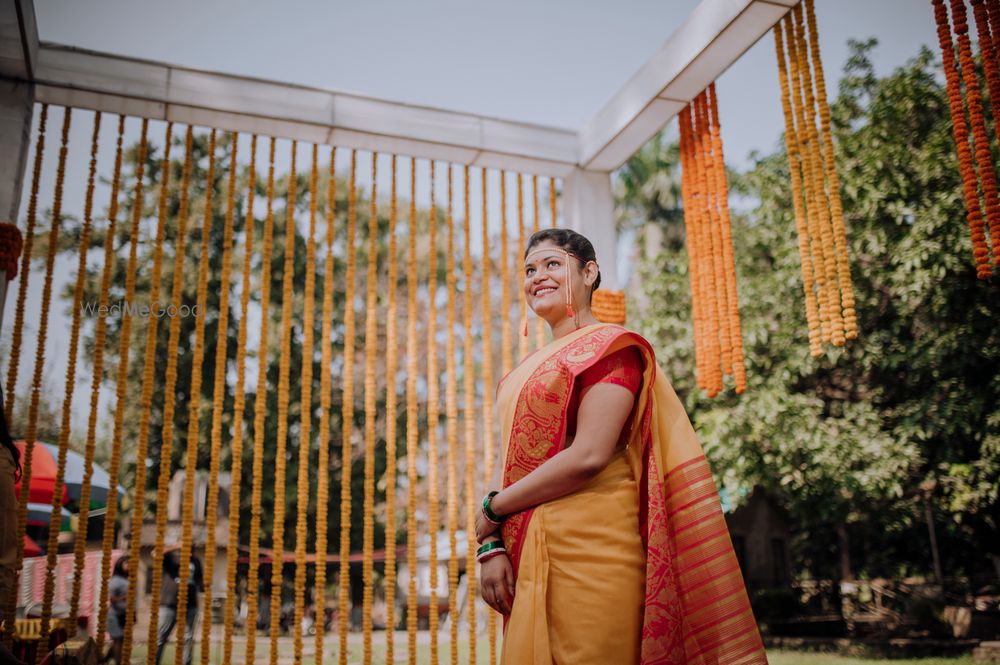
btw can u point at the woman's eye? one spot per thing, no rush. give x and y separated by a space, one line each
553 263
529 272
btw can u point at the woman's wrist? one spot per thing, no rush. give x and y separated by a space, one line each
496 505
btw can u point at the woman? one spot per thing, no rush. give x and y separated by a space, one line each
603 541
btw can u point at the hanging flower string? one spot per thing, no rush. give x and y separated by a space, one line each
391 365
260 410
412 421
433 403
239 403
451 411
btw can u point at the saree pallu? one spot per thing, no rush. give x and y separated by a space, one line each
637 565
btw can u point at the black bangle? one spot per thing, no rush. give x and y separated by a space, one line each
487 511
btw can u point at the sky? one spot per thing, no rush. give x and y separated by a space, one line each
550 62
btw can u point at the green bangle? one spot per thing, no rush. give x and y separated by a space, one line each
487 511
489 547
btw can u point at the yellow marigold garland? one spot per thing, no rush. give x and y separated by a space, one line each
833 181
391 365
169 404
811 198
194 409
259 414
239 403
97 372
412 423
433 407
64 428
22 291
43 329
97 375
287 301
451 411
710 287
691 238
35 393
609 306
371 356
323 472
487 341
552 201
829 250
798 203
522 299
305 411
124 346
536 227
470 429
506 352
218 390
347 414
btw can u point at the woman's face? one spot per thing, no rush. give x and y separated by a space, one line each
545 277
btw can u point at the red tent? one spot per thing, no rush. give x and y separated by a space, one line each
43 474
31 548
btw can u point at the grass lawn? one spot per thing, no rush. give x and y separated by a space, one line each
801 658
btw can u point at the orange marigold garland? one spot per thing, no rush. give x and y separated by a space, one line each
989 60
980 137
522 300
451 411
609 306
412 419
391 363
688 187
433 404
960 130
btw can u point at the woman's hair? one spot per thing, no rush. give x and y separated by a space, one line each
120 566
7 442
572 242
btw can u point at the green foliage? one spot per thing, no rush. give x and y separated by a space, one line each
849 438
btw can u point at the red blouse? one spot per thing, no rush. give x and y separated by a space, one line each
623 367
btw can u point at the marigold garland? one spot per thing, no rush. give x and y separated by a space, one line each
989 54
22 293
833 181
738 362
522 299
709 283
829 249
451 410
100 337
609 306
169 404
960 131
194 409
412 422
688 187
284 362
433 403
67 406
487 341
305 411
469 378
371 356
506 353
239 404
124 346
43 329
260 412
535 228
219 388
798 202
347 411
391 365
552 201
980 138
97 372
323 473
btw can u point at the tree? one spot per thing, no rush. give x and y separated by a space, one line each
848 440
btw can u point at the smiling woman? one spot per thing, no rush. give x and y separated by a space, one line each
576 548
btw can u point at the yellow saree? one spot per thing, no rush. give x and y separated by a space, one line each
636 566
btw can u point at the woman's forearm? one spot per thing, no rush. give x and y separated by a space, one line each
564 473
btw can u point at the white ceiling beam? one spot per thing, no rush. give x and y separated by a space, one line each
714 35
110 83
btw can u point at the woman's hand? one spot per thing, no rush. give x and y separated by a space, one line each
496 583
484 528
